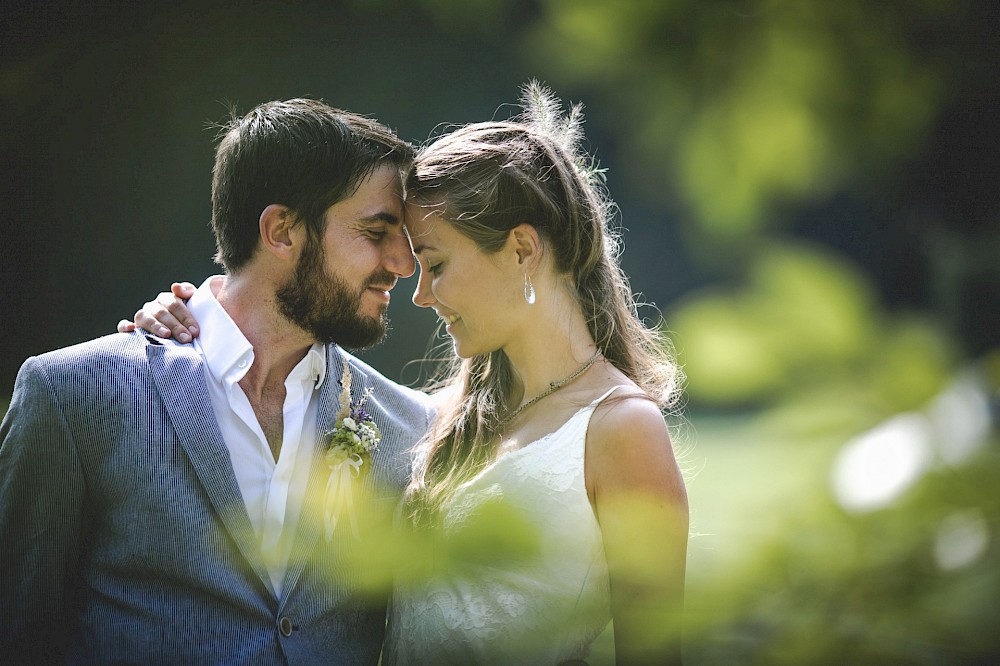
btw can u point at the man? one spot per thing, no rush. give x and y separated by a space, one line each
155 497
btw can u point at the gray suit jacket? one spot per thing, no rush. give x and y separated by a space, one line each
123 533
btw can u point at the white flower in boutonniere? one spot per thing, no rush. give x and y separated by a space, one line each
349 448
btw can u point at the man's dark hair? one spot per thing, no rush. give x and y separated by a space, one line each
300 153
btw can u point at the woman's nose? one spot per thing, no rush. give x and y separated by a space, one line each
422 296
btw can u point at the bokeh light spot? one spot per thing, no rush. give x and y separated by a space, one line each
875 468
961 539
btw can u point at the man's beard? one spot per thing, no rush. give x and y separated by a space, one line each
326 307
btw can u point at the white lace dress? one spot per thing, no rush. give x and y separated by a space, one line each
546 609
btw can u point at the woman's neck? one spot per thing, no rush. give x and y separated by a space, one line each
553 344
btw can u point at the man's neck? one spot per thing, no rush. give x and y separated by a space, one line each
278 344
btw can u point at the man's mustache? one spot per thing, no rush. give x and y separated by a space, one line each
382 279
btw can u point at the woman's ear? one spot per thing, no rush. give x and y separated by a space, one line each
276 235
528 246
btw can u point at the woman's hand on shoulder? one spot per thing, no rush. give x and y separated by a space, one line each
166 315
641 504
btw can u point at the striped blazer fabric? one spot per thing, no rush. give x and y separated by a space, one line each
123 534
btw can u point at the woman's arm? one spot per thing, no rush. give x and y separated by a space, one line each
166 315
641 504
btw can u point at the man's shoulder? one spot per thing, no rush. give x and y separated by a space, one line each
373 377
118 350
403 414
102 370
113 345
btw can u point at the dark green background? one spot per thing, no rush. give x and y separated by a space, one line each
107 146
810 196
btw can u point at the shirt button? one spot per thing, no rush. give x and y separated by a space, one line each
285 627
243 363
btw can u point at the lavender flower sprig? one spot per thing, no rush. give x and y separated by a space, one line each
355 433
348 446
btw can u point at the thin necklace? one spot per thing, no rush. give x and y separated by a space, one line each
553 387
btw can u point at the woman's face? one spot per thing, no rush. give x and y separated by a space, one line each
476 294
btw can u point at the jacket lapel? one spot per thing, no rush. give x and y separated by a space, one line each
180 379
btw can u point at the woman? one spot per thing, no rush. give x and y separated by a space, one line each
551 411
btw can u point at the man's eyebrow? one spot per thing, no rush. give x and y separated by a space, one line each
382 216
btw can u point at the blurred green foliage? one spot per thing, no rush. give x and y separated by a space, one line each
746 112
806 321
740 106
735 116
780 574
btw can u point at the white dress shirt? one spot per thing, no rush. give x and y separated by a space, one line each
272 490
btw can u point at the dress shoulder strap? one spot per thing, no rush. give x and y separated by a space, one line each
599 400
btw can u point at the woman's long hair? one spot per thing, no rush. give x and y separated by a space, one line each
485 179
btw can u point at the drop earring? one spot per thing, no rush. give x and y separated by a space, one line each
529 290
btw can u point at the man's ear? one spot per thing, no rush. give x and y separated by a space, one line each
277 223
527 245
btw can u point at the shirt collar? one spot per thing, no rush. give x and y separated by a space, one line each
227 351
313 366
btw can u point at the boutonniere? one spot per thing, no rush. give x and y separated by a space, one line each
349 449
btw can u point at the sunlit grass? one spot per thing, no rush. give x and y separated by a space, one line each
743 483
781 573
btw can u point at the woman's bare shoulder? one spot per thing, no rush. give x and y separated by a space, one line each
628 444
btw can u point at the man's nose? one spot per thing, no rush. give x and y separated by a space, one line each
398 257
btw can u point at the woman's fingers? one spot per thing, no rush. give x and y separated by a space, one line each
167 315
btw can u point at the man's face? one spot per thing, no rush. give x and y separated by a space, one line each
340 290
